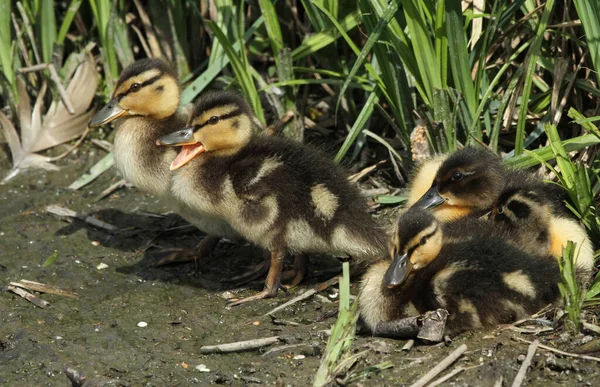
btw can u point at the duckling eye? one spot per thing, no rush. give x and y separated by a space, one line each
213 120
135 87
423 241
500 209
457 176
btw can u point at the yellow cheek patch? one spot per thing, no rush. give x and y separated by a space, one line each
446 212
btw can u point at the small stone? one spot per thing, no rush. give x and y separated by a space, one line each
521 358
202 368
95 243
299 357
102 266
142 324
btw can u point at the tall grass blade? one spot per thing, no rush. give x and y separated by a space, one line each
241 71
67 20
272 25
588 11
48 29
358 126
531 64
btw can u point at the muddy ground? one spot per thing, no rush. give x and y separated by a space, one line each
98 333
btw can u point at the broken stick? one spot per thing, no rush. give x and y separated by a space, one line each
240 346
28 296
428 327
435 371
526 363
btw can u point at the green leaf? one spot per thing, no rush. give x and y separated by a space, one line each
50 259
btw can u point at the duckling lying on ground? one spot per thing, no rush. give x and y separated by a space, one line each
534 212
480 280
144 107
278 194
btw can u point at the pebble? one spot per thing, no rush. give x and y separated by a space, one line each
299 357
102 266
142 324
202 368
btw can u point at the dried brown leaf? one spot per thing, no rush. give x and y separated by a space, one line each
11 136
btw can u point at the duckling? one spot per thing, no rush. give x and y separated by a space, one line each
281 195
535 214
467 183
480 280
144 107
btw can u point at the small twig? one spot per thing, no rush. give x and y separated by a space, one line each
118 185
450 375
107 146
240 346
61 211
374 192
526 363
547 348
28 296
303 296
275 127
59 86
591 327
408 346
280 348
43 288
435 371
359 175
71 149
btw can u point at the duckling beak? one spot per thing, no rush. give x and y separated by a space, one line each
430 199
191 147
108 113
398 271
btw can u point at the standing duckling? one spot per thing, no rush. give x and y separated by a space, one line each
144 107
534 212
467 183
480 279
278 194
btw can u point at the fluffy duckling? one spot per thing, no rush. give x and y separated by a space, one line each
144 107
534 213
481 280
278 194
467 183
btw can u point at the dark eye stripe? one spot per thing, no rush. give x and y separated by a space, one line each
234 113
146 83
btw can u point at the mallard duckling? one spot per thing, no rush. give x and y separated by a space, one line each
467 183
534 213
278 194
481 280
144 107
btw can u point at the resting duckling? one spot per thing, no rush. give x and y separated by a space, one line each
278 194
144 107
480 280
467 183
535 214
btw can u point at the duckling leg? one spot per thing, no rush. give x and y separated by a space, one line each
273 279
254 273
201 251
295 276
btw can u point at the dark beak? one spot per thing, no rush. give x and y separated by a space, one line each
108 113
183 136
398 271
430 199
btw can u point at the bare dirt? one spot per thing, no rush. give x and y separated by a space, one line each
98 333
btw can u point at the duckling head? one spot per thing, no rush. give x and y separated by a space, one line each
220 125
148 88
468 181
417 242
523 210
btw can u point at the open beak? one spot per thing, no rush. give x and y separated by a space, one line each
190 146
398 271
430 199
107 114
